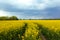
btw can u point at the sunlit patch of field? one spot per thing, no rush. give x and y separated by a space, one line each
30 30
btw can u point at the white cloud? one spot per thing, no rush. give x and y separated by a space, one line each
46 4
21 3
33 4
4 13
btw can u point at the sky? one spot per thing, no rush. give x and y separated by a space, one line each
30 9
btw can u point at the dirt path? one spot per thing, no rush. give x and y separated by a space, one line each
42 36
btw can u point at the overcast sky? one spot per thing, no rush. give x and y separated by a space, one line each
34 9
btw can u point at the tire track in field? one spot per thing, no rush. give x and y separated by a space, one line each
40 34
23 32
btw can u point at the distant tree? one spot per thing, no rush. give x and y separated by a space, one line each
4 18
13 18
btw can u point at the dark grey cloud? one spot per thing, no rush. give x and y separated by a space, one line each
38 8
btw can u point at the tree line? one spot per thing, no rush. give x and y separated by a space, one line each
8 18
16 18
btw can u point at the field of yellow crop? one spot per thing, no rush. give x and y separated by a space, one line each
30 30
50 29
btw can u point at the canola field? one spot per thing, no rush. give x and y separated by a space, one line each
30 30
